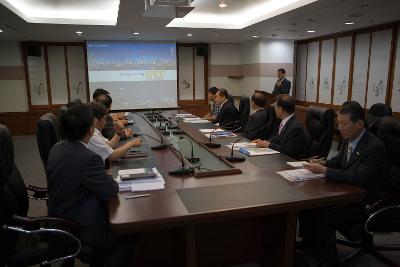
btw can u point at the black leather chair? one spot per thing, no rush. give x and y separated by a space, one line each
383 216
244 111
319 126
47 135
28 241
375 114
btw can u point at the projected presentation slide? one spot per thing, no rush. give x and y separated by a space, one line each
137 75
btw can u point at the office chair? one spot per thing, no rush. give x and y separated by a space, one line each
47 135
383 216
319 130
28 241
244 111
375 114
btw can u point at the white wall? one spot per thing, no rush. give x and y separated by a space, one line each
12 87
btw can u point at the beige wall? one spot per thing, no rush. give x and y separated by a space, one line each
12 78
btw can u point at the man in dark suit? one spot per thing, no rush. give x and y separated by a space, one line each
282 85
255 128
361 162
79 189
291 136
228 113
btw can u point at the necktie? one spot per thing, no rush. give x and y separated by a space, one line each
349 151
280 128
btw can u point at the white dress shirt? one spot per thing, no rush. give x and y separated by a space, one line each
99 145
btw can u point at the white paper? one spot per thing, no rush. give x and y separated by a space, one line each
296 164
257 151
199 121
210 130
183 115
299 175
241 144
147 187
143 184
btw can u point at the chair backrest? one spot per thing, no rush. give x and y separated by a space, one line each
273 122
375 114
389 133
47 135
62 110
319 126
244 110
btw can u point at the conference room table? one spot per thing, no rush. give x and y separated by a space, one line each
220 220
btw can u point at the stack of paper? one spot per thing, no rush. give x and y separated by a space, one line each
194 120
140 184
238 145
296 164
257 151
221 133
184 115
299 175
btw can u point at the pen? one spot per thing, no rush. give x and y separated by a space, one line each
137 196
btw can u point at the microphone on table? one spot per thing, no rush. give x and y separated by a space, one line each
192 158
162 145
182 170
233 158
211 144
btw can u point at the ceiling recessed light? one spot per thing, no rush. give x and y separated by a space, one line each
222 5
349 23
255 36
189 35
79 32
1 30
136 33
311 31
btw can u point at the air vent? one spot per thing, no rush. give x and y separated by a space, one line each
170 2
356 15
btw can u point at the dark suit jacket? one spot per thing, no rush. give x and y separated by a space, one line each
79 188
292 139
109 130
366 167
227 114
284 88
256 121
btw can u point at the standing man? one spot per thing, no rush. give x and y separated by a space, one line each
282 85
212 115
228 114
291 138
360 162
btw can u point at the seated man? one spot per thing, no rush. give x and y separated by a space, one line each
79 189
228 114
212 115
107 149
97 94
255 127
360 162
291 136
282 85
112 126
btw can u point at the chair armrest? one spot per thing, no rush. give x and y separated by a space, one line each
385 220
39 193
25 225
380 204
35 223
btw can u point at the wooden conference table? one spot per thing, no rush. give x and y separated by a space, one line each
219 220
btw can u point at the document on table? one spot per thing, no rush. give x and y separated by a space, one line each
257 151
222 133
296 164
184 115
211 130
140 184
238 145
300 175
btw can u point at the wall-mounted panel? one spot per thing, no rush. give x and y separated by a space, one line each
77 73
37 79
326 71
379 67
199 78
301 72
342 70
185 83
58 75
360 70
312 71
396 79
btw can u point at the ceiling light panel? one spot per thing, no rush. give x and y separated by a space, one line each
239 15
88 12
